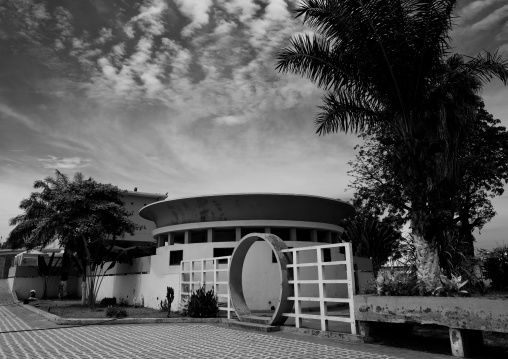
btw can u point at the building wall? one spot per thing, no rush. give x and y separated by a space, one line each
260 275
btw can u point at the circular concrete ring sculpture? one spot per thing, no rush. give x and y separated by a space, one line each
236 286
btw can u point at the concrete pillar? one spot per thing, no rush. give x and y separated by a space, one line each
292 235
171 238
267 230
313 235
329 237
209 235
366 330
466 343
186 237
238 233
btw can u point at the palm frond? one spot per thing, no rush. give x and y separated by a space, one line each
312 57
348 112
486 67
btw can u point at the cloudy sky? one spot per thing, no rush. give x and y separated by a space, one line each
181 96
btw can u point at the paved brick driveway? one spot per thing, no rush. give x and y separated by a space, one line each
24 334
163 341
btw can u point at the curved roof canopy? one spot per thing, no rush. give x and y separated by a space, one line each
248 206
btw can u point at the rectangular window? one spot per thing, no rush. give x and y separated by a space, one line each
179 237
198 236
247 230
303 235
322 236
163 240
175 257
222 252
224 235
282 233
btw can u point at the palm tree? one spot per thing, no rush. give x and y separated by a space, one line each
371 238
386 67
86 218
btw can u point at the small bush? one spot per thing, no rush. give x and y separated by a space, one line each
115 312
108 301
396 283
203 304
164 306
495 267
183 306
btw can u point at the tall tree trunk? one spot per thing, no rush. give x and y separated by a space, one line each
427 264
45 287
91 289
64 275
83 289
423 229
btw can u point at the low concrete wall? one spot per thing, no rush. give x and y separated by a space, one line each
454 312
151 288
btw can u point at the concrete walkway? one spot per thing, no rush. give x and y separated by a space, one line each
24 334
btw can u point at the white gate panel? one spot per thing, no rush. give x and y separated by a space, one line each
322 299
196 271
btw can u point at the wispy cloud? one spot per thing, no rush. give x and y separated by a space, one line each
7 113
62 163
499 16
475 8
176 96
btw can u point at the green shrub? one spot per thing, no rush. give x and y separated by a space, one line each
203 304
164 306
395 283
108 301
495 267
115 312
399 283
183 306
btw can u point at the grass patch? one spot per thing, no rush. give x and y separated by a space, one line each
74 309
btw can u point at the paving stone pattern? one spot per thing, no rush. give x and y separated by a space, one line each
163 341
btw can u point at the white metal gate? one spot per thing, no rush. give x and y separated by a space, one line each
194 274
323 299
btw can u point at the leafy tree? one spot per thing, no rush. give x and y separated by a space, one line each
482 167
483 159
86 217
386 68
